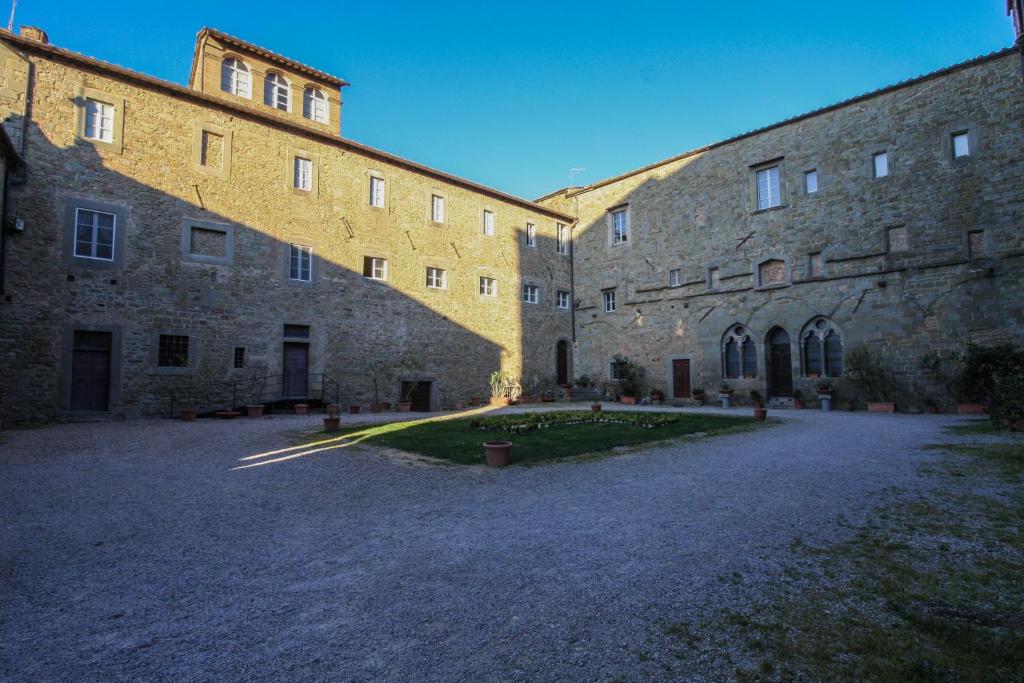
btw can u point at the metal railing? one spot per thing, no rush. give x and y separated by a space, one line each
271 391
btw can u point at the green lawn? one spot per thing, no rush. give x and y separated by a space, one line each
458 441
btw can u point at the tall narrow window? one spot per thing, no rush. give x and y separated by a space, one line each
375 268
437 208
239 361
976 243
94 234
713 278
608 298
815 267
99 120
620 227
303 174
488 286
961 145
811 181
768 191
739 353
822 348
531 294
277 92
436 278
314 105
531 235
300 263
675 277
376 192
562 238
235 78
881 164
489 223
563 299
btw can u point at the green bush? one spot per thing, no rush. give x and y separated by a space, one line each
529 422
867 371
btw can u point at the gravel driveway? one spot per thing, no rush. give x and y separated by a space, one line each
138 550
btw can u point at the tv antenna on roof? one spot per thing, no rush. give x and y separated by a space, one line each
573 172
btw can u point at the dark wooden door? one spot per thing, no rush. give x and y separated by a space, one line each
90 371
780 365
562 363
681 378
295 383
420 396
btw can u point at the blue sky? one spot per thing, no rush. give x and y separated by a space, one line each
515 94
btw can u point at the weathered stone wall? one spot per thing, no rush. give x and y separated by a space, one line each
700 212
453 337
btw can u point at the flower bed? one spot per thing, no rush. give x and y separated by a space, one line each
530 422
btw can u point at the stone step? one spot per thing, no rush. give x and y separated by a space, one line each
780 402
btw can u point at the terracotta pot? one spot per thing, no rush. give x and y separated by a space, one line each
798 404
500 401
595 407
403 407
934 410
332 410
459 405
254 411
353 410
498 453
474 401
188 414
332 424
527 399
761 414
628 400
301 408
970 408
376 407
881 407
227 414
547 399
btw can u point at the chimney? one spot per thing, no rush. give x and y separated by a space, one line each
34 33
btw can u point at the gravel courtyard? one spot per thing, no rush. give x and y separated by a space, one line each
147 550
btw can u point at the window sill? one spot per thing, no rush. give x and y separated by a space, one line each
769 209
778 285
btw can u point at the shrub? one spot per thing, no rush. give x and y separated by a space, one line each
530 422
868 372
631 376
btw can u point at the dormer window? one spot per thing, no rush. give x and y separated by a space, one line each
276 92
314 105
234 78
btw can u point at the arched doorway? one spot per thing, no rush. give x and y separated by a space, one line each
780 364
562 362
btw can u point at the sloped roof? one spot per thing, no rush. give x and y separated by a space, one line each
246 46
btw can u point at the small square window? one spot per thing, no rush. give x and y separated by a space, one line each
303 174
489 223
563 299
300 263
961 145
620 227
675 277
811 181
531 294
377 192
239 361
437 278
562 239
437 208
172 351
881 164
608 297
531 235
769 194
488 286
375 268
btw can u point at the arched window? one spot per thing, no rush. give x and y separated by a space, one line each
276 92
739 353
822 348
234 77
314 105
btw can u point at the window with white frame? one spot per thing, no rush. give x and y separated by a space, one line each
376 192
531 294
811 181
961 145
375 268
277 92
608 297
769 193
99 120
880 164
489 223
713 278
562 238
235 78
437 278
531 235
303 174
300 263
488 286
94 234
437 208
620 226
675 277
314 105
563 299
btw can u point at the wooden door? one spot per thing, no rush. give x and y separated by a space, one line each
295 383
562 363
681 378
420 396
90 371
780 365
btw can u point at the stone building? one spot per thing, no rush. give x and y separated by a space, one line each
894 219
222 243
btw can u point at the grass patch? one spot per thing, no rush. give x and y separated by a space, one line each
976 427
928 590
460 440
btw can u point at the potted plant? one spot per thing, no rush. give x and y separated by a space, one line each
227 414
657 396
256 383
505 389
869 373
824 390
630 379
332 410
798 399
725 395
583 382
254 410
353 409
698 395
760 412
931 405
595 407
498 453
378 371
332 423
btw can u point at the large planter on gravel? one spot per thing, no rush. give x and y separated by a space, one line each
970 408
301 408
881 407
826 402
332 424
254 411
376 407
403 406
188 414
760 414
500 401
498 453
353 410
628 400
227 414
595 407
